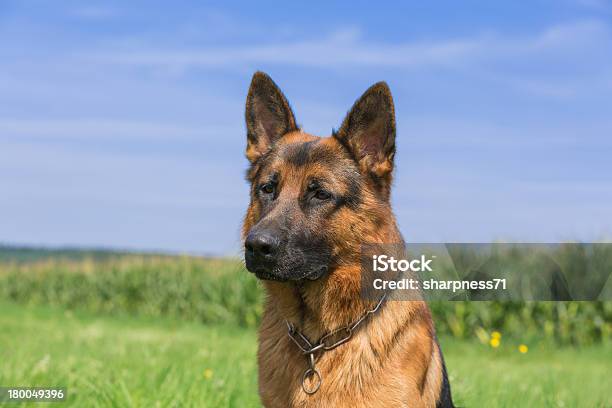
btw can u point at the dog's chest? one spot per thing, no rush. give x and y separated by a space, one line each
351 376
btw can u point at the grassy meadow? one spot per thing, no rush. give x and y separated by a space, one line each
130 330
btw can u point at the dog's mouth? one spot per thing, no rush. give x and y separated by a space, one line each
264 274
312 274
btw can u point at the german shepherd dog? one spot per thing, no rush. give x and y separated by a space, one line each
314 200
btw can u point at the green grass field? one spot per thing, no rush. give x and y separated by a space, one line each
146 362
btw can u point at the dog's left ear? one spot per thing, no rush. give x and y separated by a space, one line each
369 132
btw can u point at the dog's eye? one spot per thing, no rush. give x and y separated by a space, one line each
322 195
267 188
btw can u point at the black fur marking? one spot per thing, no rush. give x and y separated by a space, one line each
446 399
352 198
300 154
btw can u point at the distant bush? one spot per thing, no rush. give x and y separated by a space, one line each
221 291
206 290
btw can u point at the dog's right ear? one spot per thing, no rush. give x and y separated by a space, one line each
268 116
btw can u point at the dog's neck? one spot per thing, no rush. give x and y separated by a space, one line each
318 307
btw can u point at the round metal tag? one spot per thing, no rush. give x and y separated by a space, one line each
316 378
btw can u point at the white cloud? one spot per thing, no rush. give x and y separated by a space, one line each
93 12
347 48
433 132
336 50
102 129
593 4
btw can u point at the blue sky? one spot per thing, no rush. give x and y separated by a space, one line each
121 123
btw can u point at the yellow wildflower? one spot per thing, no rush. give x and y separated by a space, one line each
496 335
494 342
208 373
523 348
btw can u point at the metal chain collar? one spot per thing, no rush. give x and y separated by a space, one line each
328 342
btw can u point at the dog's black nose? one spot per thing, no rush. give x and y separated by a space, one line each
262 246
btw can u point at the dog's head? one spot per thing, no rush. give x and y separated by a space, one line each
312 198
